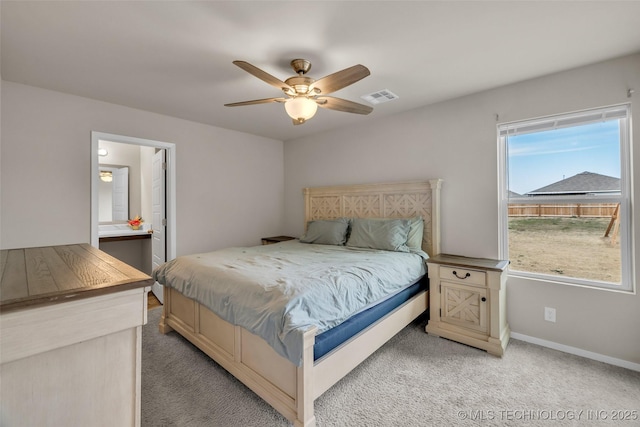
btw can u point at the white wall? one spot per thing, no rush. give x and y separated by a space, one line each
456 141
229 184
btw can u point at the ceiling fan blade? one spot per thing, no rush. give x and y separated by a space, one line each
340 79
255 101
340 104
264 76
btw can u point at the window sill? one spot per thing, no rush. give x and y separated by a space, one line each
594 285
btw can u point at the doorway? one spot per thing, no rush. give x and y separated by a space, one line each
161 190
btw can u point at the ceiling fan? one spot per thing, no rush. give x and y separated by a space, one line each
304 94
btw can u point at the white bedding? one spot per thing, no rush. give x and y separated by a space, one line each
279 291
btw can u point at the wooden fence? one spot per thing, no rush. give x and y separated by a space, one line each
580 210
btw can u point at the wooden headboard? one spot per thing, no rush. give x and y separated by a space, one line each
390 200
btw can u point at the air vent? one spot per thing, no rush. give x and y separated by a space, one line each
380 96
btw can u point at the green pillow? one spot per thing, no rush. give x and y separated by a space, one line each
416 231
327 232
375 233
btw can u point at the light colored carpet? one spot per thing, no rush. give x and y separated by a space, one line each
413 380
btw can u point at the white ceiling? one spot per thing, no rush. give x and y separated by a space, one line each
174 57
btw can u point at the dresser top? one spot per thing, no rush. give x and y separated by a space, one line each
461 261
55 274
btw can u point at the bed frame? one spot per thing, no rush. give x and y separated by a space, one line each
292 389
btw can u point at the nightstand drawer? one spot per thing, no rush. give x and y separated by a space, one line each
463 275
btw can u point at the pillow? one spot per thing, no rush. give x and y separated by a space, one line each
385 234
416 230
327 232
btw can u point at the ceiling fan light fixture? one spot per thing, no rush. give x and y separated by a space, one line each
300 107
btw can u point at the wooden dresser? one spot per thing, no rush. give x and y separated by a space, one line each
70 337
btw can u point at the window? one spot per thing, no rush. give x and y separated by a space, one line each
565 194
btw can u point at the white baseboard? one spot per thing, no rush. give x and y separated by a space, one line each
577 351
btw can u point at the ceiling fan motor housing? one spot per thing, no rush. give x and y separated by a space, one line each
300 84
301 66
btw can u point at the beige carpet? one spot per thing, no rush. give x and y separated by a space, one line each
414 380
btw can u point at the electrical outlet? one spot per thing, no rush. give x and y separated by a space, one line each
550 314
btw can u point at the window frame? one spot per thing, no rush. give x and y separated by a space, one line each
625 198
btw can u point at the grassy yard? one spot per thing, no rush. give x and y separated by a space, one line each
574 247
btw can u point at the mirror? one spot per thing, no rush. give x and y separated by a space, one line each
113 190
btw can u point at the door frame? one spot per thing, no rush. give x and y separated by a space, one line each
170 199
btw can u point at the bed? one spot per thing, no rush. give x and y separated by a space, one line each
290 380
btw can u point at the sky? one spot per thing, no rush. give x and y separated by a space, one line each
543 158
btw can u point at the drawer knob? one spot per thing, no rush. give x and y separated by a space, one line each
483 299
455 273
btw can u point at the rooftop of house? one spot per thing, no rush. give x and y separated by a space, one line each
582 183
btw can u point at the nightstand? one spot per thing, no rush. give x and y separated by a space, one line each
468 301
275 239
